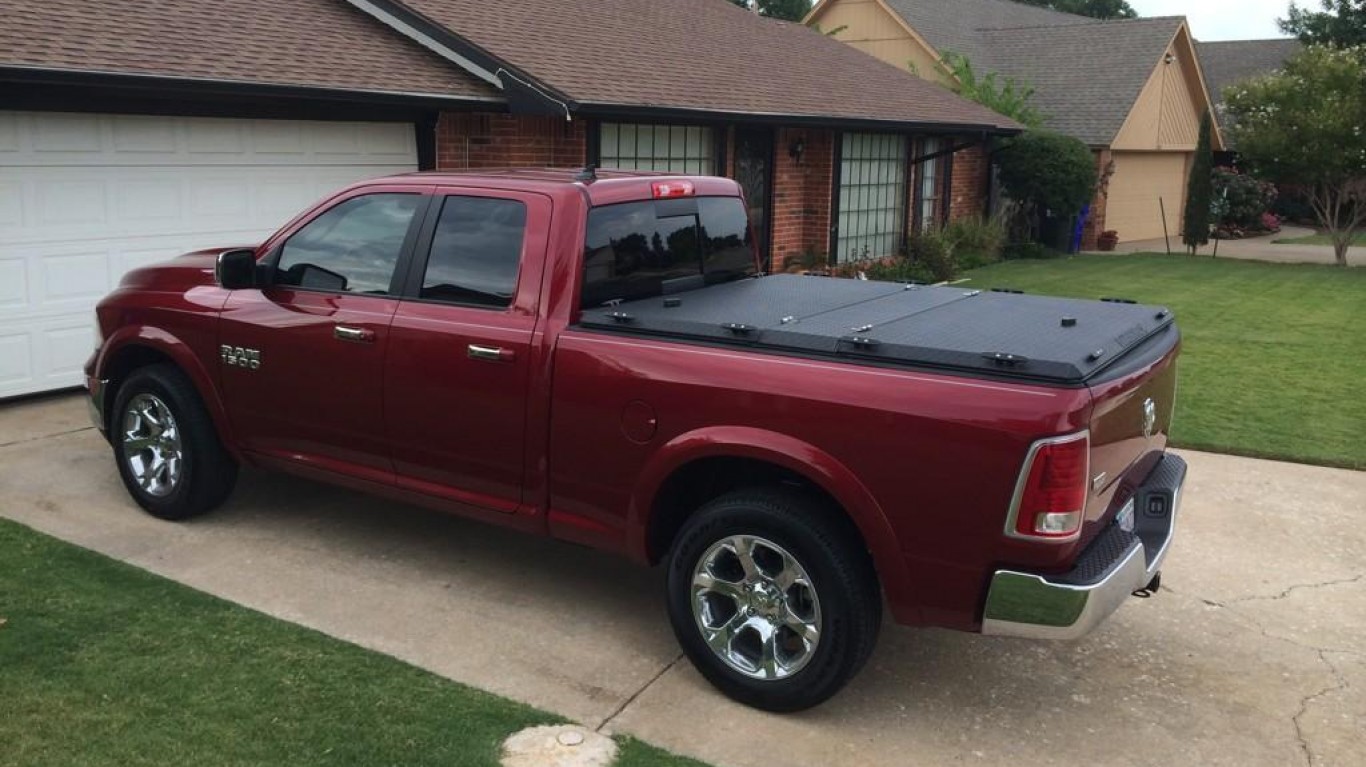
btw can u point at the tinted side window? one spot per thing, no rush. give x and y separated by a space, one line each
476 251
351 248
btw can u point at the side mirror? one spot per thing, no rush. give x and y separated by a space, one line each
236 269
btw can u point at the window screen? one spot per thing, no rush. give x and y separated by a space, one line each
671 148
872 196
476 251
641 249
353 247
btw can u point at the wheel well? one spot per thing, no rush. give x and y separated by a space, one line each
691 486
122 365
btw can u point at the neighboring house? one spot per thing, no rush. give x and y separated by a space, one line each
132 131
1233 61
1132 90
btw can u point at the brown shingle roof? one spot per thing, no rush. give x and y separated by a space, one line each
1226 63
705 55
318 43
955 25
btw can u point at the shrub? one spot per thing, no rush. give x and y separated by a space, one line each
1241 199
933 251
1030 251
1048 172
976 241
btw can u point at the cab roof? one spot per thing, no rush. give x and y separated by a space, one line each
606 187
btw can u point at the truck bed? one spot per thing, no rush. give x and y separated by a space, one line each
1057 341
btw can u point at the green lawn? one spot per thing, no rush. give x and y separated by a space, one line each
1320 239
104 664
1274 362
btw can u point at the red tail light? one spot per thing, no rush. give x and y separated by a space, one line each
666 189
1050 498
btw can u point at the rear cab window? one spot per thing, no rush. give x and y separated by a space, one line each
637 250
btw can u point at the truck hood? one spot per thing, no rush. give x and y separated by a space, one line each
178 274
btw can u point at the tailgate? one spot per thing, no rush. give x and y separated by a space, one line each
1130 422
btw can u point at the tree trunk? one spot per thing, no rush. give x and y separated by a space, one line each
1340 250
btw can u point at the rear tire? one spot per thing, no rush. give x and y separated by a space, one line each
165 445
788 629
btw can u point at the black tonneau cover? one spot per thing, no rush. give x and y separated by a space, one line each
1048 340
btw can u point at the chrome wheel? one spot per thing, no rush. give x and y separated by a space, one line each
152 446
756 607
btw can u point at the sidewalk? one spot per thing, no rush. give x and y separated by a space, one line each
1255 249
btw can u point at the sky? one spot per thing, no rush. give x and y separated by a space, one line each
1224 19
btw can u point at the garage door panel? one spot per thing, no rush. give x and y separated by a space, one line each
86 198
16 361
11 202
13 283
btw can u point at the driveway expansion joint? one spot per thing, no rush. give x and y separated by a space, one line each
632 699
45 436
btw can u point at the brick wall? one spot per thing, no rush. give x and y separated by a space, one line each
801 194
971 180
485 140
1095 224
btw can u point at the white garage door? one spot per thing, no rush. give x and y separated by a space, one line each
85 198
1141 180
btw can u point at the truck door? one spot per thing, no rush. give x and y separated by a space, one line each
302 358
462 348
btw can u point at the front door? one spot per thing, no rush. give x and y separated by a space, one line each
462 349
754 172
302 359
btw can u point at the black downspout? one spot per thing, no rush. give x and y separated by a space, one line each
832 257
425 133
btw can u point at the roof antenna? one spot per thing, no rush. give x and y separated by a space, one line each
588 175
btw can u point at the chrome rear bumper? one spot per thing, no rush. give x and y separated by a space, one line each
1113 567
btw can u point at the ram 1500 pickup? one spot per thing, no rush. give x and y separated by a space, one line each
597 357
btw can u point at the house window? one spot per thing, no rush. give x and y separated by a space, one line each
672 148
930 186
872 196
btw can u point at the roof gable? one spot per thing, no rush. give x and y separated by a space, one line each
1086 77
1167 114
688 57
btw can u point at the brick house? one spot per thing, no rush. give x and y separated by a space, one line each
1132 90
131 131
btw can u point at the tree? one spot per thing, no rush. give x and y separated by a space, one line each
1199 191
1047 172
1305 127
1341 23
1100 9
788 10
1006 96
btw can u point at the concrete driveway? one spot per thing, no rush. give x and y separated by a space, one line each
1252 655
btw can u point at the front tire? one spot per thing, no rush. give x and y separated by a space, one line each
772 598
165 445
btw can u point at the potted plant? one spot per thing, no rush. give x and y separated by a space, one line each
1108 240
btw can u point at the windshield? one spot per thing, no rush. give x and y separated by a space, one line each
640 250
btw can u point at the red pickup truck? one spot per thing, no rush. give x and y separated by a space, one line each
597 357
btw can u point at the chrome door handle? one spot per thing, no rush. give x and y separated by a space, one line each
490 353
344 333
